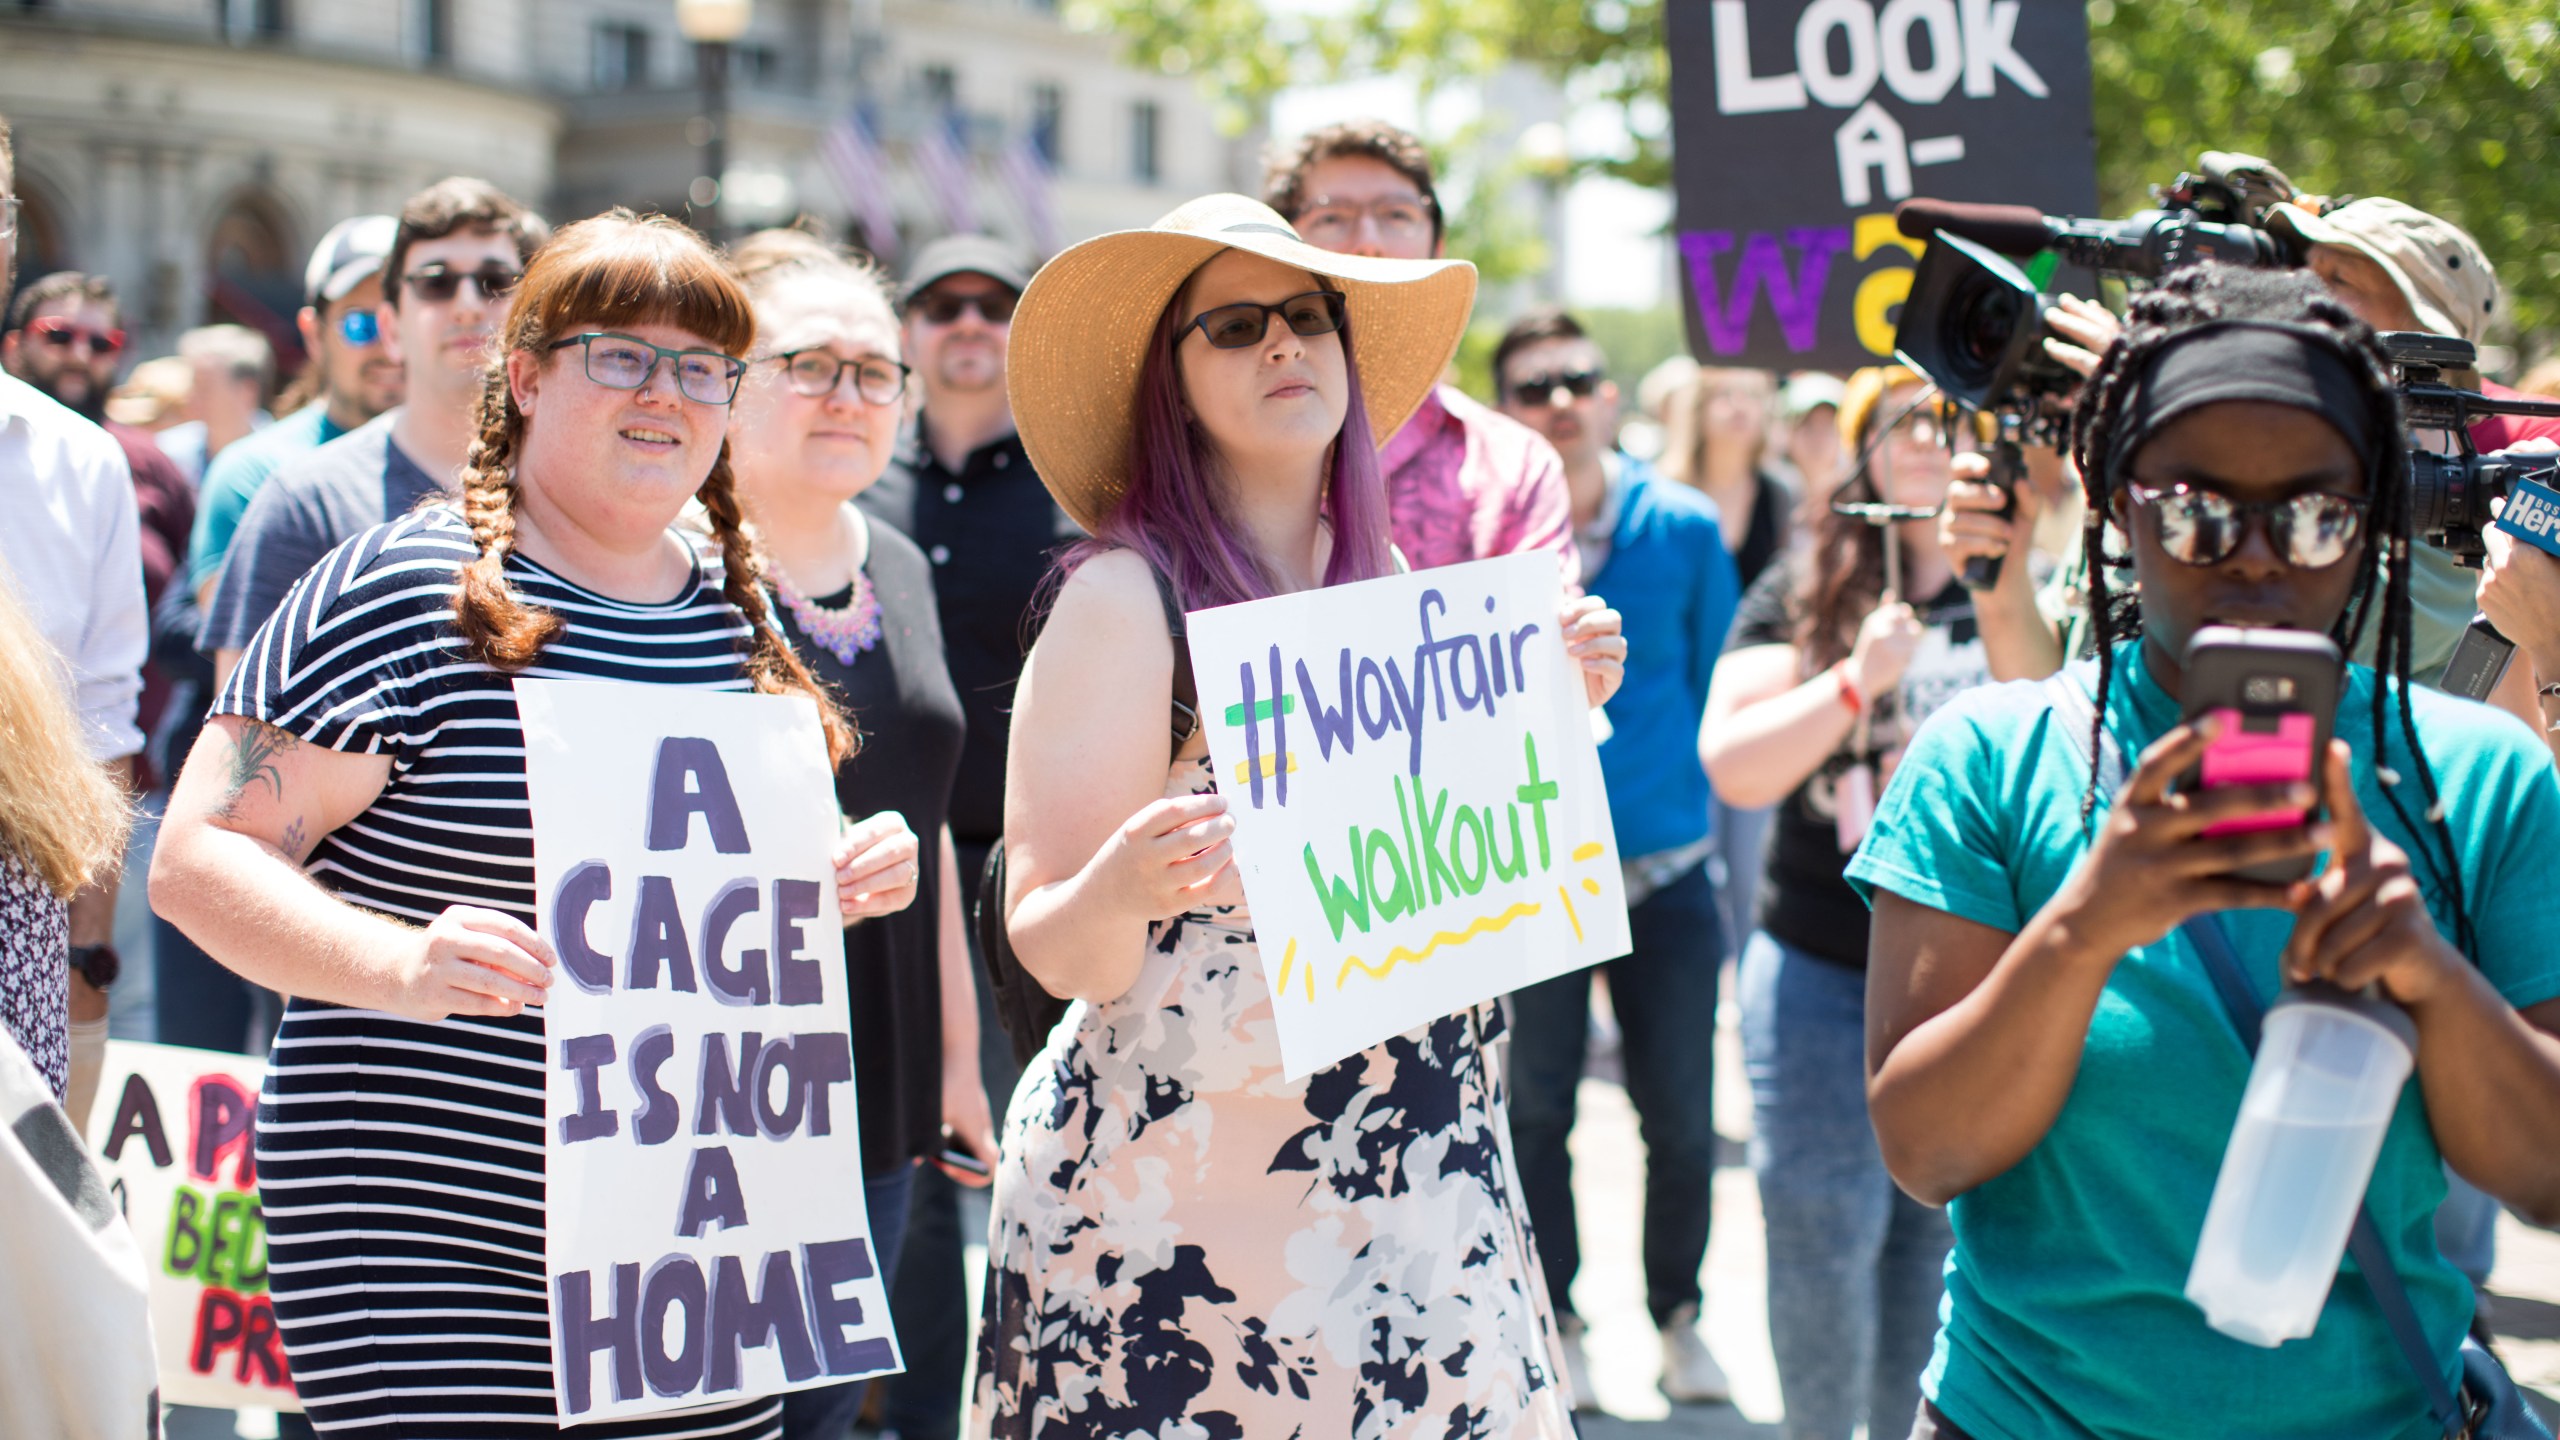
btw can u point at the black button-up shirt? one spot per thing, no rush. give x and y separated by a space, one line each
991 532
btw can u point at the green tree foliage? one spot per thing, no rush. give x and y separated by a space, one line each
2451 105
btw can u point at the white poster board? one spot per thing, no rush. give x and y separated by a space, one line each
1420 819
175 1131
707 1236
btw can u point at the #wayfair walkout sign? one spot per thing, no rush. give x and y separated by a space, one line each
707 1238
1798 124
1420 821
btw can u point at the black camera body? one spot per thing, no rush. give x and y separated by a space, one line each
2451 493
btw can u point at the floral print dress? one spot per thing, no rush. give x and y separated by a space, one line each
1188 1246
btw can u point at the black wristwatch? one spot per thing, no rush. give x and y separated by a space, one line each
97 964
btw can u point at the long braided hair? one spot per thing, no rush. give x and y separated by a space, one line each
2380 598
612 271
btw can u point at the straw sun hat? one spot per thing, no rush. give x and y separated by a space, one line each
1080 335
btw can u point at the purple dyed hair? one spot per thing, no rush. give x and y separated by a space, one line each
1171 512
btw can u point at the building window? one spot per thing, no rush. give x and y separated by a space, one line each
433 20
252 19
1146 163
1048 121
622 56
941 87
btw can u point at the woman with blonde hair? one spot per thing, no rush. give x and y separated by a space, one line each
62 820
1186 1240
353 830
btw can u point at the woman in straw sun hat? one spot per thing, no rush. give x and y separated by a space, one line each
1185 1241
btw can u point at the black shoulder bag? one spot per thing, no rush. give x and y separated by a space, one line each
1028 1011
2489 1406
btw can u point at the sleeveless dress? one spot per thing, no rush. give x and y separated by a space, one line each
1187 1244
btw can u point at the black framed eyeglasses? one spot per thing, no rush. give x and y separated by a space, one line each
817 372
2197 526
1325 220
625 362
1538 390
1242 325
942 307
438 282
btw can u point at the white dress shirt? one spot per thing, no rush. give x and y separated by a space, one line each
69 542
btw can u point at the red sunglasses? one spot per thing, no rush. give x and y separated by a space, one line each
55 330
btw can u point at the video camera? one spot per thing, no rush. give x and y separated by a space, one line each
1974 323
2452 495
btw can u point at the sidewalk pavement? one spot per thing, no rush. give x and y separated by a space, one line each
1608 1173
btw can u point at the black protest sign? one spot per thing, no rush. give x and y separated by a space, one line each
1797 125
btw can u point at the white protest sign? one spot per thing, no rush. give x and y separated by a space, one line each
175 1134
1420 820
707 1235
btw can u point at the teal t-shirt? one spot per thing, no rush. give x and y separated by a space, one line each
2066 1311
235 475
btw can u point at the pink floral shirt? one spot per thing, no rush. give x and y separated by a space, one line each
1467 483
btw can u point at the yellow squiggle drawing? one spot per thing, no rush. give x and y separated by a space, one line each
1288 958
1482 925
1587 849
1569 915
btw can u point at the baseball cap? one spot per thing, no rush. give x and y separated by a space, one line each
965 255
2445 275
351 252
1807 391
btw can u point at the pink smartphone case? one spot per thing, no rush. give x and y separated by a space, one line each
2243 757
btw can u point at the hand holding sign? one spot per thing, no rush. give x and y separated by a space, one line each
472 962
1595 635
877 868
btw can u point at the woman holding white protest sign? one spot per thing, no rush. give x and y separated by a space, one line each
817 422
1184 1238
354 830
1836 656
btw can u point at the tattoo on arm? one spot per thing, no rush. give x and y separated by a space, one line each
253 762
295 838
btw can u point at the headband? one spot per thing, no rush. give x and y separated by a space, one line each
2258 360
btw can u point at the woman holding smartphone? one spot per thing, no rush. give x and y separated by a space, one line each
2049 1057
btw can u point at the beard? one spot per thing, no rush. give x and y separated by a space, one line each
91 401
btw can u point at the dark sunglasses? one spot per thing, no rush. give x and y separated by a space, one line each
1242 326
625 362
942 307
438 283
1541 389
62 335
818 372
360 327
2312 531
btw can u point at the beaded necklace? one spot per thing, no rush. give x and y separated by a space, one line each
844 631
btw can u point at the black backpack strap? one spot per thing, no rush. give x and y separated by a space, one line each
1186 691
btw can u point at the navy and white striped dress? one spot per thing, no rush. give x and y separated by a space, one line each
400 1162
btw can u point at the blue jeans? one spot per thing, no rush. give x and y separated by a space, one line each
1856 1267
827 1412
1742 852
1664 992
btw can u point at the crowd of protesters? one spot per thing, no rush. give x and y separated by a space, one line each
972 504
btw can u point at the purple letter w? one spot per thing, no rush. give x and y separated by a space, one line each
1763 266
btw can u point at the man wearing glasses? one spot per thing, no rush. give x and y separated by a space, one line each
457 253
964 491
71 553
355 375
1463 482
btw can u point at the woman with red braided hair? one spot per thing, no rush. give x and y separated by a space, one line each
353 831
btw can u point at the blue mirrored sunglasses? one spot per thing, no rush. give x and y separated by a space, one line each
360 327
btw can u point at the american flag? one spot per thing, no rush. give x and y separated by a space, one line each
946 171
1027 171
862 176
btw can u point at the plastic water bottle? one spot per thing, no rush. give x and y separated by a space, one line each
2328 1075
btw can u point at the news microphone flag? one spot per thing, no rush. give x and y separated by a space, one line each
861 174
2532 515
